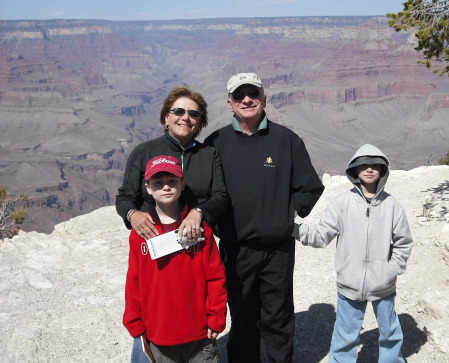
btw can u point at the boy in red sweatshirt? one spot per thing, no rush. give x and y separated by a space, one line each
175 303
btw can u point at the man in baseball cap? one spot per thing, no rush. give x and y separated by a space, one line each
269 177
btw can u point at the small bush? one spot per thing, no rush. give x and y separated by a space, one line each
12 213
444 160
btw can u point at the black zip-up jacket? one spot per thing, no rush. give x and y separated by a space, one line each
268 176
203 174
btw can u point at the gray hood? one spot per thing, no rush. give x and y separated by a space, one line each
368 154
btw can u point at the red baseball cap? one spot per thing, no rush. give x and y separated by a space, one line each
165 163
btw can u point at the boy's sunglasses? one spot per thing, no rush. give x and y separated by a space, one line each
240 95
179 111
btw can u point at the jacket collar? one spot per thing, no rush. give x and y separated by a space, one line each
378 197
262 125
175 145
152 210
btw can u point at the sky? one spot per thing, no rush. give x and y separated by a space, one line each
189 9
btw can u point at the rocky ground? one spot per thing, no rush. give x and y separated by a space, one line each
61 295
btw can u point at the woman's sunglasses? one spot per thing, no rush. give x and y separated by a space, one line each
240 95
179 111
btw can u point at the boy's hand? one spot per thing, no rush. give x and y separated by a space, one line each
212 334
190 226
297 236
143 224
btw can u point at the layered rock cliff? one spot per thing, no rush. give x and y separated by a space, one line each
77 95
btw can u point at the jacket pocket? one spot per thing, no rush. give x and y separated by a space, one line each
350 274
380 276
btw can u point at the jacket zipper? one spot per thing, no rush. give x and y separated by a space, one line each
178 146
366 253
183 152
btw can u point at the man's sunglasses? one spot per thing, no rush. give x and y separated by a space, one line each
179 111
240 95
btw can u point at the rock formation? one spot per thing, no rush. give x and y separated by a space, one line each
77 95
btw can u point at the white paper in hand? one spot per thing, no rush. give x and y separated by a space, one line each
166 243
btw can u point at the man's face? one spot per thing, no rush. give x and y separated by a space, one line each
248 108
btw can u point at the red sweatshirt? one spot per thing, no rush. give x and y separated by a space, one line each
175 298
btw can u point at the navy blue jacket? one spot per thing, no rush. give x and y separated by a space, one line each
269 176
203 174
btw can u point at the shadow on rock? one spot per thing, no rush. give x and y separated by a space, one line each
314 332
312 337
414 339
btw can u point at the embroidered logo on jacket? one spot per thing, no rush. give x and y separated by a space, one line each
269 163
193 248
144 248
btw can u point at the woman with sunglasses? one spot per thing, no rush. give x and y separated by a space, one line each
183 115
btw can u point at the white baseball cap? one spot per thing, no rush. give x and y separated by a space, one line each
243 78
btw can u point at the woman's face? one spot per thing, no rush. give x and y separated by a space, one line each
183 128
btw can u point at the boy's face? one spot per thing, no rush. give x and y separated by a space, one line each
369 174
165 188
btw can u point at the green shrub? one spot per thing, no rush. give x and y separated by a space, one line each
12 213
444 160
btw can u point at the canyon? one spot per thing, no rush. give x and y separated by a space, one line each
76 96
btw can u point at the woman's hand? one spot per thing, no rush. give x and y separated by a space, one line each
191 225
143 224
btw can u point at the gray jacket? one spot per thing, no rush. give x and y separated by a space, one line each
373 239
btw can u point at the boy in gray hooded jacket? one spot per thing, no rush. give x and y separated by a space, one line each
373 245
